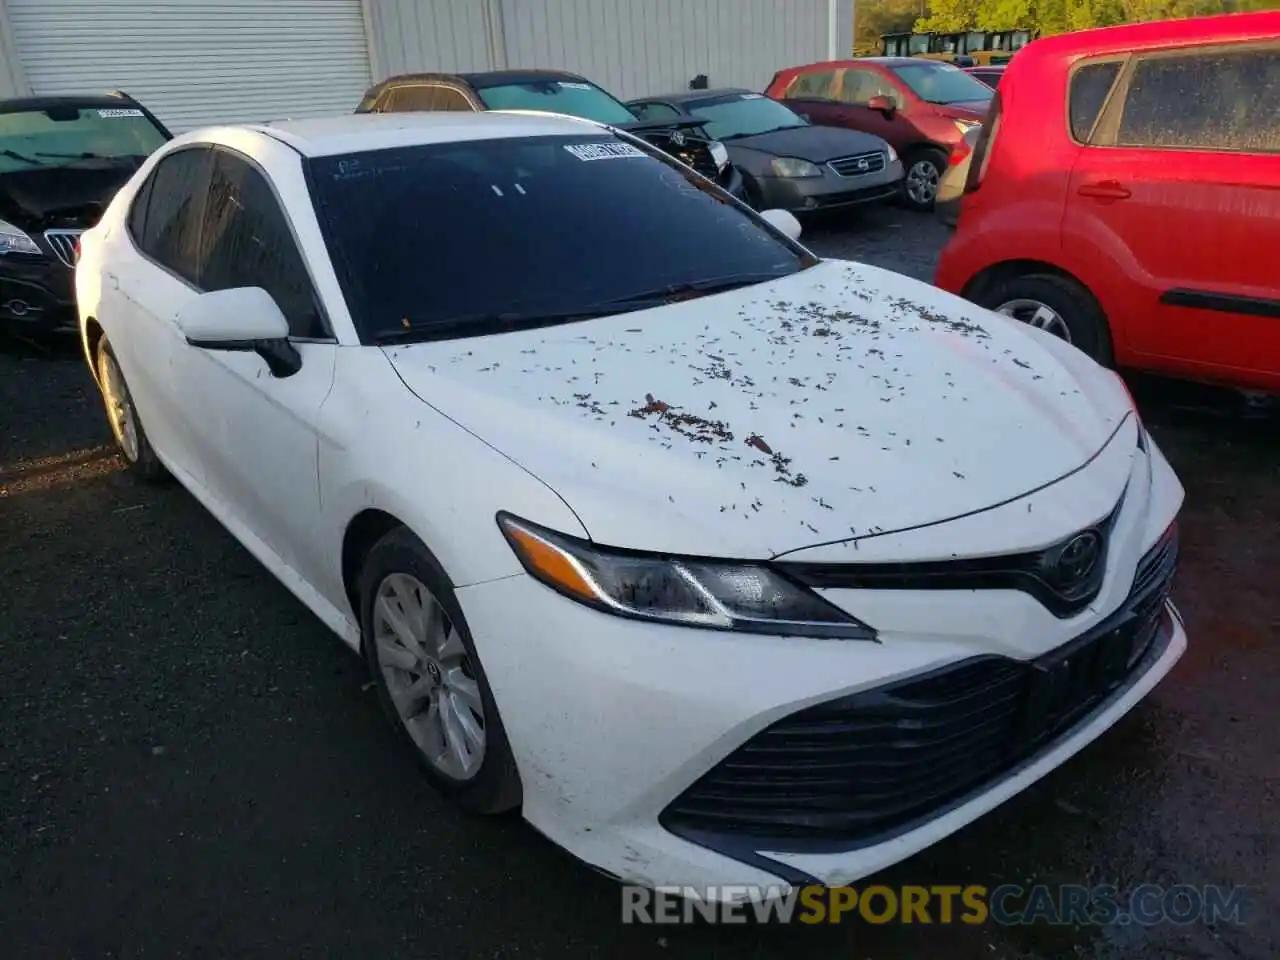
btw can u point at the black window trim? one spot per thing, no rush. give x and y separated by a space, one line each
1107 129
1119 86
212 148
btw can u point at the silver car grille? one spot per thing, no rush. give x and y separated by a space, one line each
858 165
64 243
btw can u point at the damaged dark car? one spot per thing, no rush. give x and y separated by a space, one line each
554 91
62 159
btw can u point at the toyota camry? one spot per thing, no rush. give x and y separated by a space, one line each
723 562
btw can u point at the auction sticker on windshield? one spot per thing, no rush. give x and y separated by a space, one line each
113 113
603 151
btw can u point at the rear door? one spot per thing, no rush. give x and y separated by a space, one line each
813 95
1179 194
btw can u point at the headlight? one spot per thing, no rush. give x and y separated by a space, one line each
749 597
794 167
13 240
893 154
719 153
964 126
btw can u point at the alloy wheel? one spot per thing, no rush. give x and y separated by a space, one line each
124 422
1037 314
922 182
429 676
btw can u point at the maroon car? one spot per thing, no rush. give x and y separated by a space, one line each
922 107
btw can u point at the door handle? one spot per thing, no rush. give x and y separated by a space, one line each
1105 190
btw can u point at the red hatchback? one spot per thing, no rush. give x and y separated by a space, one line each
1125 195
922 107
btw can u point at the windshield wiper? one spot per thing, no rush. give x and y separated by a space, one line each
483 324
681 291
14 155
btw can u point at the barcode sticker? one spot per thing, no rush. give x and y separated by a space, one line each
113 113
603 151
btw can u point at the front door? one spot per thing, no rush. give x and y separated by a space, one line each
256 433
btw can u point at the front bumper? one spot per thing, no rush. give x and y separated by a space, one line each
36 293
617 725
831 191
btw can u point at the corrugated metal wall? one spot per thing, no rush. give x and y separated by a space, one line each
630 47
410 36
12 80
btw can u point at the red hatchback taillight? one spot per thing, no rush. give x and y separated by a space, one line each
986 143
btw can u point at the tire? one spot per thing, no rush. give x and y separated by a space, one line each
437 677
122 416
923 169
1058 305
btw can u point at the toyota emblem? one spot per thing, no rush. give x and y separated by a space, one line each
1076 560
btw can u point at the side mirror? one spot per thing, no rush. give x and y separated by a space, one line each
806 118
883 104
242 319
783 221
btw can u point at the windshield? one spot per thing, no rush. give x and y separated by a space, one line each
575 98
459 238
743 115
942 83
62 135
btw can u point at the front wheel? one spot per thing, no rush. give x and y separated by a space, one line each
429 678
126 426
924 170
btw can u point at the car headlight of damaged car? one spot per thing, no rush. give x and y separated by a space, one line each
719 153
794 168
14 240
713 594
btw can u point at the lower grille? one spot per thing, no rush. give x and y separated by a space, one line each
865 768
858 165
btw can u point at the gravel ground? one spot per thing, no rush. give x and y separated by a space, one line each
191 766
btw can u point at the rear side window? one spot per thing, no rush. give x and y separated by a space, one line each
247 243
656 111
174 198
814 85
1215 100
1090 85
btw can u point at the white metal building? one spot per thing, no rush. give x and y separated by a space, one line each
194 62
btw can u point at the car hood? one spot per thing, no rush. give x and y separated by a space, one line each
818 144
966 110
68 196
839 401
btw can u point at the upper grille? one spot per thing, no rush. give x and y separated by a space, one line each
63 243
1034 573
867 767
858 165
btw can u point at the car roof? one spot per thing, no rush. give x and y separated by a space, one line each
862 62
104 100
1136 37
686 96
358 132
487 78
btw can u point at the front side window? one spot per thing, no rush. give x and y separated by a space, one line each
743 115
63 136
246 242
861 85
813 85
166 213
1219 100
942 83
471 238
1090 85
577 98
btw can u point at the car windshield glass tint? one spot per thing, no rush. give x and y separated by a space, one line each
942 83
59 136
743 116
538 227
576 98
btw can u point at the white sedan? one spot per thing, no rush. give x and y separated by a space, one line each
725 563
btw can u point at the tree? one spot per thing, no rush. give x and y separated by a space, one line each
950 16
885 16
